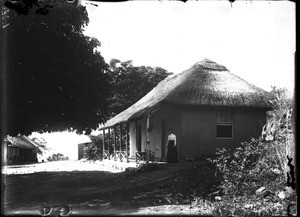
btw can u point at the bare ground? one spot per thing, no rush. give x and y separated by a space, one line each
167 189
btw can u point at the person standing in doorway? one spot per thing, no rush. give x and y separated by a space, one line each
172 154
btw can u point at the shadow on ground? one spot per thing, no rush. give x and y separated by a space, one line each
99 192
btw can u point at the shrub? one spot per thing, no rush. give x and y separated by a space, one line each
246 168
279 130
93 151
57 157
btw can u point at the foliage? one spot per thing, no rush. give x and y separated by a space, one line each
130 83
281 102
249 206
280 129
55 77
249 167
42 145
57 157
94 150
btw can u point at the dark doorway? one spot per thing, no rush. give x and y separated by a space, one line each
139 138
163 138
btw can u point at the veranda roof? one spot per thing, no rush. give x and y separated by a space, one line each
205 83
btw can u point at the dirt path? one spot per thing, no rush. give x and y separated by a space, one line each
102 192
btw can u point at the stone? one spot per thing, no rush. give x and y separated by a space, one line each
263 192
248 206
218 198
260 190
281 195
276 171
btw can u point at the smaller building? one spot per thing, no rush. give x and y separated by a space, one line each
19 150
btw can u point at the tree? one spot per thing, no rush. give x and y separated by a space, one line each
130 83
42 145
54 78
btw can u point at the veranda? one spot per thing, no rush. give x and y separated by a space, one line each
116 143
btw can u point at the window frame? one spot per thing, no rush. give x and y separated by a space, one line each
225 123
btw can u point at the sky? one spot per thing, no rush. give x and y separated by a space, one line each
65 143
253 39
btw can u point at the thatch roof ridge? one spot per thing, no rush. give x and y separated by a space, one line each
205 83
209 64
217 86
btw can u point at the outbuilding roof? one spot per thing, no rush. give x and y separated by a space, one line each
205 83
21 142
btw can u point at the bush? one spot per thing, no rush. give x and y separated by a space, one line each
57 157
249 207
279 130
93 151
248 167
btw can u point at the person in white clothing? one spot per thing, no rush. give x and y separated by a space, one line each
172 154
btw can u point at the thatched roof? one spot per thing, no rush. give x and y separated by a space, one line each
205 83
21 142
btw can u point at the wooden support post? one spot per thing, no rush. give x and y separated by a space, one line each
148 138
103 143
120 142
115 140
108 144
127 142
